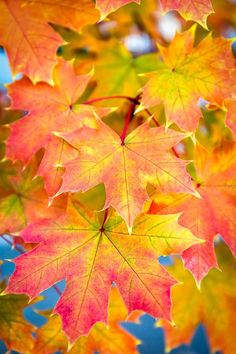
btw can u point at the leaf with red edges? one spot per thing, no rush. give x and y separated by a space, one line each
50 108
101 338
213 213
91 251
196 10
125 166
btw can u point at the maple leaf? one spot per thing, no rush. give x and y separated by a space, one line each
125 167
213 213
23 199
101 338
30 53
213 305
50 108
15 330
187 74
77 247
190 9
231 115
108 6
116 71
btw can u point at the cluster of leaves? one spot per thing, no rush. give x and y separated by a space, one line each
112 155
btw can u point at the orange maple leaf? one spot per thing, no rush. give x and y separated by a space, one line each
27 22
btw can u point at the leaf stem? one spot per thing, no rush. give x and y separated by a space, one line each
128 117
94 100
104 220
134 102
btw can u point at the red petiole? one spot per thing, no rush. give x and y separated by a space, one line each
104 98
104 220
134 102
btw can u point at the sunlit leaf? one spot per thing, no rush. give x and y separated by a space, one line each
126 167
189 73
91 254
211 214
